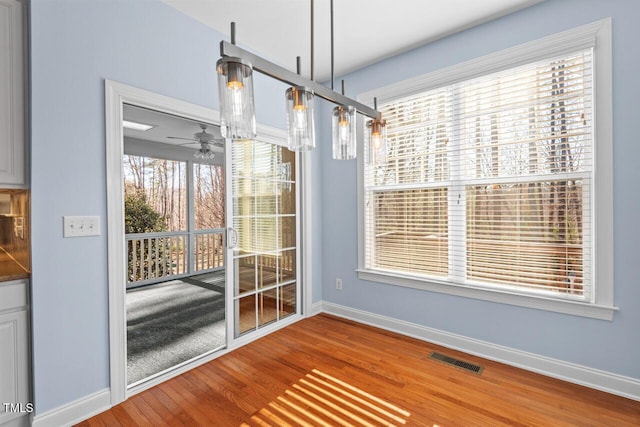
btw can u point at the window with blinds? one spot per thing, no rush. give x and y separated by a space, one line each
489 182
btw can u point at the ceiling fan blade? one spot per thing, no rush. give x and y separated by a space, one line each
179 137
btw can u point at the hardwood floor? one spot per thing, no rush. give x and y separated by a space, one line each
329 371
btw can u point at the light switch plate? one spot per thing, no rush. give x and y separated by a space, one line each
81 226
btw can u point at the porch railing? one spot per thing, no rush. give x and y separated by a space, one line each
155 257
209 249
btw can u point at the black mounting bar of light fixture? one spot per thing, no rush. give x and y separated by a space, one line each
279 73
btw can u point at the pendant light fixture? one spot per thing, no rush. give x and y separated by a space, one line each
377 139
343 119
237 112
343 125
301 132
204 152
235 88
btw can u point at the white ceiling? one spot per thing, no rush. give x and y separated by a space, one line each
165 125
365 31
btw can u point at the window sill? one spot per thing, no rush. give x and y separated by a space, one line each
574 308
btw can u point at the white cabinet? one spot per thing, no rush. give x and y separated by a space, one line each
15 404
12 94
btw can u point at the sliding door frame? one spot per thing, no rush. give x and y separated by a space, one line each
275 137
116 95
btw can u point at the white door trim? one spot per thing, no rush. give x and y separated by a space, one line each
117 94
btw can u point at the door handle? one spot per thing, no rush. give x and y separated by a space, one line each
232 238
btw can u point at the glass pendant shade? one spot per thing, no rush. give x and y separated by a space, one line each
377 141
235 88
204 153
343 121
300 119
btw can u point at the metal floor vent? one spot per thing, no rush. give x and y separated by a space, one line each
467 366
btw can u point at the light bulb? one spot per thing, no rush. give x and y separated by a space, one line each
300 114
343 132
376 140
299 105
235 85
204 154
235 90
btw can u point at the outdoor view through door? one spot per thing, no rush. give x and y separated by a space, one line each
175 296
196 281
174 214
159 227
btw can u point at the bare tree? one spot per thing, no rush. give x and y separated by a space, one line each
209 196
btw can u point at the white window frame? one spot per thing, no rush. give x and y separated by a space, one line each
596 34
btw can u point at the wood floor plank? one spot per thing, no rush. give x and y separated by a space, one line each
125 418
208 399
147 414
138 412
330 371
93 422
109 419
168 418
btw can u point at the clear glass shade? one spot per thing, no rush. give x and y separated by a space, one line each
376 141
300 119
235 88
204 153
344 133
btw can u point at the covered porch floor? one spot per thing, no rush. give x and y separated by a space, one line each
171 322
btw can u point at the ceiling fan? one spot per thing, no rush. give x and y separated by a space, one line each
205 139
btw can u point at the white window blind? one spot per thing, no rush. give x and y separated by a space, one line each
489 182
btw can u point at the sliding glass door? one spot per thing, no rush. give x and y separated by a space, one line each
263 238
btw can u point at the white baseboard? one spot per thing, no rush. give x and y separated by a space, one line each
91 405
316 308
589 377
75 411
87 407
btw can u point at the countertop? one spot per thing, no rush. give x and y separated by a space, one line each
9 269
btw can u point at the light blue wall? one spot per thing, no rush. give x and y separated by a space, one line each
574 339
76 45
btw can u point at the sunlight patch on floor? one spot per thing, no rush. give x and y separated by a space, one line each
319 399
